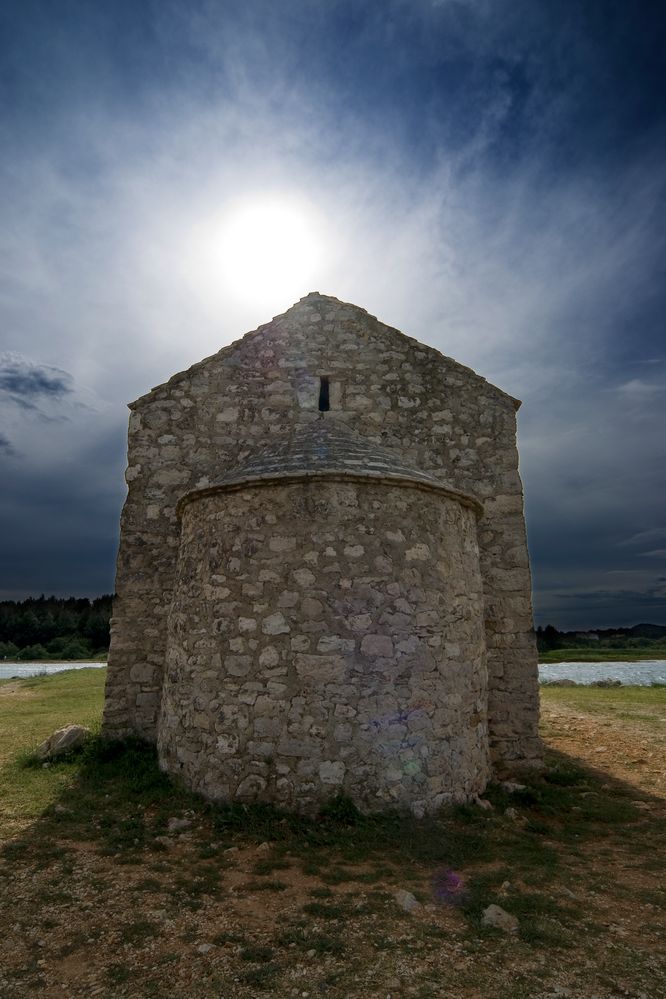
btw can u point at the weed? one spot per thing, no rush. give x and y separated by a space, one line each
256 953
197 883
322 910
261 976
269 865
118 974
306 940
265 886
224 938
321 893
148 884
338 875
170 957
321 943
136 933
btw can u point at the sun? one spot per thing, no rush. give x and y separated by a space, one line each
260 249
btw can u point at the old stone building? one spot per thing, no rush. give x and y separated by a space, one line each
323 581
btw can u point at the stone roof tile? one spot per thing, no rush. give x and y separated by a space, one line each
325 447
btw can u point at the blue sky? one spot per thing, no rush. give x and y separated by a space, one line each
487 175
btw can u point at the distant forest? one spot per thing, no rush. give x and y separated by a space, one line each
54 628
641 636
78 628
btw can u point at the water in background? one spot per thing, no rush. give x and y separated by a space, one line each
641 674
10 670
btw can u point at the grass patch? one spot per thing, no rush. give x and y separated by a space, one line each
321 893
322 910
44 705
269 865
607 700
255 953
261 977
320 943
265 886
118 974
137 932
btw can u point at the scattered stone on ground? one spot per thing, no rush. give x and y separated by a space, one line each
178 825
511 786
407 901
62 741
498 917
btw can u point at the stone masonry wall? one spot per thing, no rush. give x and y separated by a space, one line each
327 636
395 391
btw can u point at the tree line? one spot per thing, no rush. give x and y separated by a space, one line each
54 627
640 636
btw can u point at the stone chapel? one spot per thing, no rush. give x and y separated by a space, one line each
323 582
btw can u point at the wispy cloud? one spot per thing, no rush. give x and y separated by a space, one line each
637 388
644 537
470 186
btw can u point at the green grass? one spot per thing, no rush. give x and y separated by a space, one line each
46 704
590 655
70 696
644 705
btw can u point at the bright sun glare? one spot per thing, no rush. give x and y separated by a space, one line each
261 249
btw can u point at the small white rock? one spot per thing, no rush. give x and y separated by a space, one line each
406 900
496 916
510 786
176 825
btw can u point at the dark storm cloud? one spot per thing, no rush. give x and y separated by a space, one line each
6 446
27 385
489 175
24 380
61 523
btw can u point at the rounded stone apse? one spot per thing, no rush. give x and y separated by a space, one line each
327 633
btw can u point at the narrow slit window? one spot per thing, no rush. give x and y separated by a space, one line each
324 403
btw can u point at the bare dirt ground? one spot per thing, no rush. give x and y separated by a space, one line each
625 749
195 912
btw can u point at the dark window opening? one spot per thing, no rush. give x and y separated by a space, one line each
324 404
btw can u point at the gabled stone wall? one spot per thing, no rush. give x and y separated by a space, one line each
439 415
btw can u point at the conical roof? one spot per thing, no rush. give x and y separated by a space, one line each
325 448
